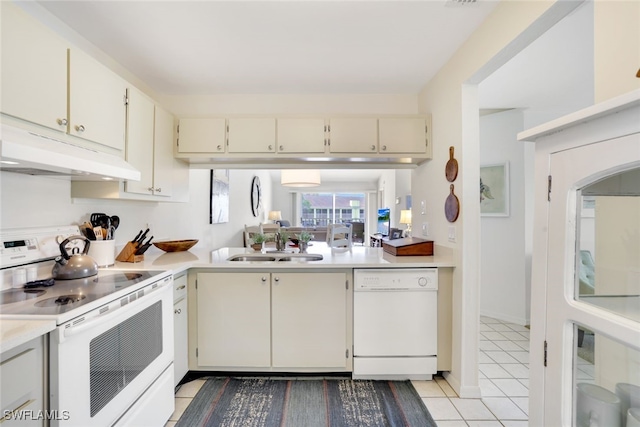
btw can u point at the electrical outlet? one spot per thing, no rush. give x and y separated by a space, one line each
452 233
425 229
423 207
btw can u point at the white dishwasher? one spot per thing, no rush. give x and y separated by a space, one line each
395 330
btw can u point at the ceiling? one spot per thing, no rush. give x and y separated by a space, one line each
277 47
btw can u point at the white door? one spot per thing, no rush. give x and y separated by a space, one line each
593 283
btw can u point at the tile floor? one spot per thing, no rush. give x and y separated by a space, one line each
503 377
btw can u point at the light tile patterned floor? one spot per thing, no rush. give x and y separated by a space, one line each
503 377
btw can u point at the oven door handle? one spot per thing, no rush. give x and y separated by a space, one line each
75 330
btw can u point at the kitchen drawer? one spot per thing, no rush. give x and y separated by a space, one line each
179 287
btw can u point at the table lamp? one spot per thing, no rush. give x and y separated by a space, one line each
405 218
275 216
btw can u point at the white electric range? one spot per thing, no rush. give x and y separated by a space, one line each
111 355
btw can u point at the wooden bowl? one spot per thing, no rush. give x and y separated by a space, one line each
175 245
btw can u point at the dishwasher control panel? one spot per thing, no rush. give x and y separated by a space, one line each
396 279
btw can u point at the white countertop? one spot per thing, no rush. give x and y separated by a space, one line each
16 332
358 257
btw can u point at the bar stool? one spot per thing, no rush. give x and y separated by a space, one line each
629 395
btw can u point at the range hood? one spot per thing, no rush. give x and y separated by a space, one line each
30 153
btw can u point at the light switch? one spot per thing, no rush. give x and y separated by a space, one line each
452 233
423 207
425 229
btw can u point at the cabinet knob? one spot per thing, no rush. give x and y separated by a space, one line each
80 128
270 147
150 189
177 311
373 148
281 148
219 147
384 148
264 279
158 190
62 122
276 279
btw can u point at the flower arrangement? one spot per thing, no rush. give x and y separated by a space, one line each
305 237
259 238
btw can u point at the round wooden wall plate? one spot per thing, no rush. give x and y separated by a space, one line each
451 206
451 169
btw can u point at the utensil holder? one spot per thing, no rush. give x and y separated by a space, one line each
128 253
103 252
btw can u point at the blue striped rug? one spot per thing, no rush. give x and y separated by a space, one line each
268 402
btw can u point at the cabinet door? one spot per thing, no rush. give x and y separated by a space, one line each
180 340
309 321
234 320
96 101
301 135
140 112
252 135
351 135
202 136
403 135
34 70
162 153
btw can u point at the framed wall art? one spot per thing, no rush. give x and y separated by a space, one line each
494 190
219 196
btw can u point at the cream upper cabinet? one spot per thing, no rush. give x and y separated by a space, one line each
96 101
251 135
140 118
202 135
149 145
353 135
402 135
301 135
34 70
163 160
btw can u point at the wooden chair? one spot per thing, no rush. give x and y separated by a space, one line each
340 236
249 231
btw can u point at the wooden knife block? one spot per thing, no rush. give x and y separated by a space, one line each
128 253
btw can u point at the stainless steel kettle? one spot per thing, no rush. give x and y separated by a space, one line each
76 266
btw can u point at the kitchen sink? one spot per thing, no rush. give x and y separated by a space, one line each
256 257
276 256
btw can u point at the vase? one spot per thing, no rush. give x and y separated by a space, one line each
303 247
257 247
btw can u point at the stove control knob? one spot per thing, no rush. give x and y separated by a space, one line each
422 281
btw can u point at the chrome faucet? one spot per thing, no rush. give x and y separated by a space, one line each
279 242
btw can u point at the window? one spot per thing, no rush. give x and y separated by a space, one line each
321 209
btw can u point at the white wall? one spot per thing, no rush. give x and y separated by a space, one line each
28 201
503 273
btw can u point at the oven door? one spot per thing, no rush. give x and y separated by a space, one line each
101 365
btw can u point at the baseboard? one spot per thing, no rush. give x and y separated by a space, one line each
465 392
505 318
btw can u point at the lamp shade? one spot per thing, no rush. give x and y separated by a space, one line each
275 215
300 177
405 216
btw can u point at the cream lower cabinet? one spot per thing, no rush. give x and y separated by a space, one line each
180 329
308 320
273 321
234 320
23 384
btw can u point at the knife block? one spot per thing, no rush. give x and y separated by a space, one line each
128 253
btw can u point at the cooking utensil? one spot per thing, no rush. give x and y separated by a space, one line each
76 266
141 238
135 239
40 283
451 169
451 206
115 221
98 232
143 248
95 218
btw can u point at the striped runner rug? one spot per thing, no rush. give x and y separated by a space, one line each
269 402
